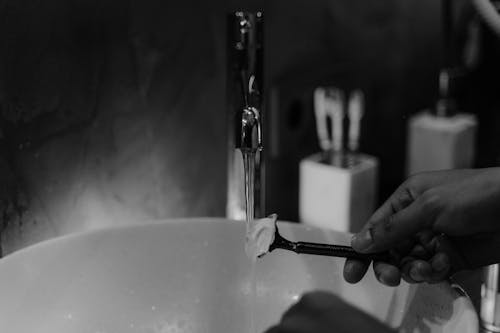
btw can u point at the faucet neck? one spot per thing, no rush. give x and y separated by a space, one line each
245 78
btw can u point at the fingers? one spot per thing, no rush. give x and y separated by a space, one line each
425 257
429 261
387 274
435 270
403 225
420 271
354 270
441 267
382 233
399 200
413 271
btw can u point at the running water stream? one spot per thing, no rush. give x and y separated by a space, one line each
249 172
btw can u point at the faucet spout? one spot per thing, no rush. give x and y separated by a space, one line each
251 130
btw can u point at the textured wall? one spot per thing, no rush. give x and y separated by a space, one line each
112 112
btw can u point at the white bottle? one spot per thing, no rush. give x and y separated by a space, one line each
439 143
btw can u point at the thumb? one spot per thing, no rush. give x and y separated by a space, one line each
382 233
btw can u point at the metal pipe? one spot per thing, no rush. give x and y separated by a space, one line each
490 299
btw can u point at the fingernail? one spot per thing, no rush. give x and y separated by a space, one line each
362 241
415 275
348 266
391 282
384 280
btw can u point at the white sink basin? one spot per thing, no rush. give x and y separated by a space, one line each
193 276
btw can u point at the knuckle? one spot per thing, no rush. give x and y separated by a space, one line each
405 194
430 202
380 231
413 180
416 183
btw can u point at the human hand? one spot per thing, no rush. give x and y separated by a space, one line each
434 224
322 312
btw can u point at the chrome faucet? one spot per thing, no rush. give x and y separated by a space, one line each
244 105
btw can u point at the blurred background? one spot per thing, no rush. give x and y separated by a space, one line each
113 112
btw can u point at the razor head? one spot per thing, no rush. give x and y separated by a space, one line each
260 236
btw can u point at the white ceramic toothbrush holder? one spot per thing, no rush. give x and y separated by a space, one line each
337 198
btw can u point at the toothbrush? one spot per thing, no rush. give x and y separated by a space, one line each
355 112
334 108
328 104
320 112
